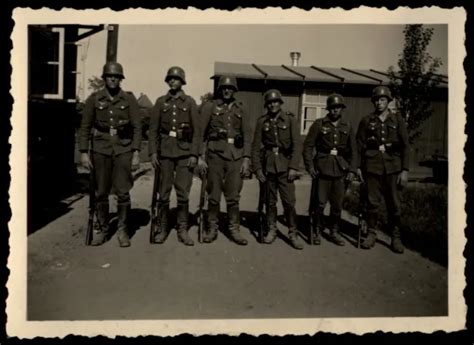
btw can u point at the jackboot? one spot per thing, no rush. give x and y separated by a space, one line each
122 224
397 245
292 230
317 226
369 241
334 234
162 234
213 224
271 225
182 225
234 225
101 228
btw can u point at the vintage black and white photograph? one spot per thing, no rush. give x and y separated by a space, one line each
278 172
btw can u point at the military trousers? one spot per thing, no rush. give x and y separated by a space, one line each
224 176
175 172
279 183
378 187
113 172
330 189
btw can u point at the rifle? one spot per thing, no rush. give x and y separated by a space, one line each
155 210
202 201
90 223
262 202
312 208
362 228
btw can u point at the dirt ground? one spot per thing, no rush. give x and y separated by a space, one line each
69 281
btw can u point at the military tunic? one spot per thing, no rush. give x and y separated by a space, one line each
227 130
276 148
116 131
336 154
173 136
384 153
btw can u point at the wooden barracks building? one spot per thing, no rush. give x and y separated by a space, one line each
305 89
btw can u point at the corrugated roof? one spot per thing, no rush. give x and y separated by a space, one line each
306 73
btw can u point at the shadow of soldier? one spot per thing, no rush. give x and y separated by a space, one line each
138 218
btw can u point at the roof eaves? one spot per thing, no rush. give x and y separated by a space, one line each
261 71
302 76
362 75
341 79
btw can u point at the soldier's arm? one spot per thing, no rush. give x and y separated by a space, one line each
256 144
247 128
204 118
405 143
197 137
154 135
84 134
136 122
297 145
360 140
308 145
354 164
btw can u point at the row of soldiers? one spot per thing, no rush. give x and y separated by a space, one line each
220 142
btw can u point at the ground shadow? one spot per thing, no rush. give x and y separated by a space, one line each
138 218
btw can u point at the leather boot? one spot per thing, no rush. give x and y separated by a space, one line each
334 234
271 225
397 245
122 224
292 230
369 241
101 228
162 234
234 225
213 224
182 225
317 226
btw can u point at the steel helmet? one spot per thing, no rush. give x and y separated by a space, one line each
272 95
113 68
381 91
176 71
335 99
227 81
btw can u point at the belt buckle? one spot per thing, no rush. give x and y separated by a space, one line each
172 134
275 150
230 140
382 148
112 131
333 152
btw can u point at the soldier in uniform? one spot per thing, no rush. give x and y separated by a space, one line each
383 143
276 152
227 129
173 147
333 138
113 115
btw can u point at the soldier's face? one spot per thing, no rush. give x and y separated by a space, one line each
175 83
112 81
335 112
274 106
381 104
227 92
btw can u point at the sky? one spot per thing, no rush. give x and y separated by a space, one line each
147 51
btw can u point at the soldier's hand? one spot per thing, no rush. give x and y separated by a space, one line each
313 173
292 175
350 176
402 179
192 162
202 166
155 161
261 176
245 168
135 160
360 176
86 161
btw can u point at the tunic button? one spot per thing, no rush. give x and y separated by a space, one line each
111 119
383 139
111 112
173 128
174 113
174 105
383 132
174 120
335 142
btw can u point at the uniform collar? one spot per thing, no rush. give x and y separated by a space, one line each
342 120
180 94
104 93
390 116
